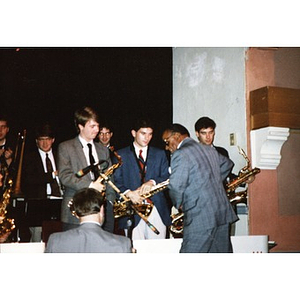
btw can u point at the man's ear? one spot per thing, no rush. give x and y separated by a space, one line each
133 133
102 214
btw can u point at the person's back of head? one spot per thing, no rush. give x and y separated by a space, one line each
204 122
85 202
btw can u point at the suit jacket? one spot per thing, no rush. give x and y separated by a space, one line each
71 159
197 172
87 238
128 177
34 184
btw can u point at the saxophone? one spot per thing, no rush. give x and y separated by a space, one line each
123 208
6 224
11 188
243 176
103 178
234 197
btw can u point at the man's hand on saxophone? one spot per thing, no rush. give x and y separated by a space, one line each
134 196
146 187
97 185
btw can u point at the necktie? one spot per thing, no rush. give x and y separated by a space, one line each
142 165
54 185
92 161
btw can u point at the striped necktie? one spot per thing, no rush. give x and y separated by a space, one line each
142 165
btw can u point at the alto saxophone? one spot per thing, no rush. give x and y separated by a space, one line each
123 208
6 224
234 197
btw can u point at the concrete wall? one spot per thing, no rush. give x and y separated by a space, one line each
211 82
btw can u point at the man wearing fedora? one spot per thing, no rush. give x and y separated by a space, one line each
40 173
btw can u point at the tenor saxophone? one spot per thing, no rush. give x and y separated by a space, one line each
123 208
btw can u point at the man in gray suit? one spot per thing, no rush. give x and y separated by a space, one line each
197 173
89 237
73 157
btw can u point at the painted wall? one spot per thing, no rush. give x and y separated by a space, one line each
211 82
274 198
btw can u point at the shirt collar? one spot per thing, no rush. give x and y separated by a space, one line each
84 142
92 222
43 153
137 150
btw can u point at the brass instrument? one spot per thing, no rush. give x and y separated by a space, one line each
17 186
244 174
102 177
123 208
7 224
132 206
234 197
177 223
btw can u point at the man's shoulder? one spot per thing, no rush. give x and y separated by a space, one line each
125 150
156 149
73 141
222 151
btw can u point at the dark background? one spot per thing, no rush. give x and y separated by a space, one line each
121 84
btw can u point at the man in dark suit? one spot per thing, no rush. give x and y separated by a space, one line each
88 237
197 172
137 176
104 136
40 182
76 154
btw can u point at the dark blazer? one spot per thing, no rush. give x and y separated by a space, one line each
128 177
34 177
87 238
71 159
197 172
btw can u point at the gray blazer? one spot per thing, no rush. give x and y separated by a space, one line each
87 238
71 159
197 172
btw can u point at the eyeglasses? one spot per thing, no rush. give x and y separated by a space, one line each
167 140
104 133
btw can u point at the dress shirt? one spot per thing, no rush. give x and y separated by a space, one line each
144 153
51 157
86 152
